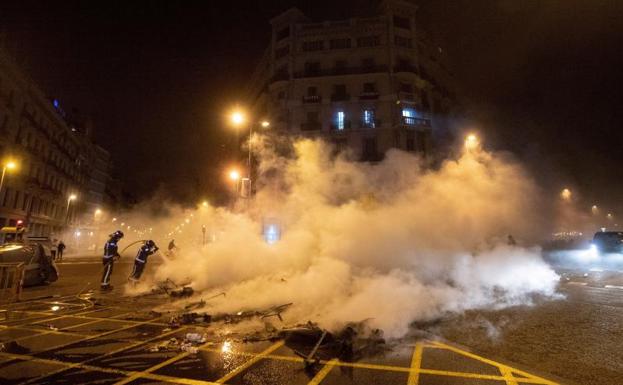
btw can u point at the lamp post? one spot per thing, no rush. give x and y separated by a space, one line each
8 165
238 118
70 198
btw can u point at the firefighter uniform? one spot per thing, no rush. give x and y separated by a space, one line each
110 253
141 259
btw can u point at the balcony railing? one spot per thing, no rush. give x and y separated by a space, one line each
414 122
345 126
369 96
340 97
406 68
340 71
312 99
311 126
373 124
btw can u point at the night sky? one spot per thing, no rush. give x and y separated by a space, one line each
539 78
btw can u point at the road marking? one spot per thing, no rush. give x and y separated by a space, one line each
508 375
130 346
322 373
416 363
529 376
613 287
250 362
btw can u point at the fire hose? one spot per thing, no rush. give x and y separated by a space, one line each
103 267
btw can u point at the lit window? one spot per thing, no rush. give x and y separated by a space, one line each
408 112
408 116
339 121
368 118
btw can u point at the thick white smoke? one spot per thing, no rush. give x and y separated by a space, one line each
393 242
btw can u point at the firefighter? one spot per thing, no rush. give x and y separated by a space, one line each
141 259
110 254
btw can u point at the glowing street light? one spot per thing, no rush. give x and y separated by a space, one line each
204 203
8 165
595 209
565 194
234 175
237 118
471 142
265 123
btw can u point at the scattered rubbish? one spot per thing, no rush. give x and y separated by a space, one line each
13 347
52 327
189 345
351 343
185 291
195 338
274 311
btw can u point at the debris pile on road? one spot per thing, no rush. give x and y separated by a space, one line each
353 342
13 347
190 344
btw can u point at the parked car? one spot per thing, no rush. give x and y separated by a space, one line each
34 253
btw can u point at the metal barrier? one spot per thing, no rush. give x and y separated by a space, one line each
11 281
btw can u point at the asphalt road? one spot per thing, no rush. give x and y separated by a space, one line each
575 339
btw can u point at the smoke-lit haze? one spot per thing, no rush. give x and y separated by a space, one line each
392 242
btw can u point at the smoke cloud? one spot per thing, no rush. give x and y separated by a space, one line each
391 243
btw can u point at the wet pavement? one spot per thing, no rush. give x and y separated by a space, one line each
67 340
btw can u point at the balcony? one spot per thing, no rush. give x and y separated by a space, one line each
340 97
334 126
310 73
414 122
311 126
405 96
406 68
312 99
369 96
374 124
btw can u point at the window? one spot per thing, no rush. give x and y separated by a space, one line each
16 201
409 116
406 87
368 118
367 62
25 202
314 45
368 41
312 68
281 95
339 43
339 89
281 52
340 65
283 33
339 120
403 41
312 116
410 141
369 149
402 22
312 91
369 88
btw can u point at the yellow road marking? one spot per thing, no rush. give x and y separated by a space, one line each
153 368
508 375
494 363
416 363
322 373
130 346
250 362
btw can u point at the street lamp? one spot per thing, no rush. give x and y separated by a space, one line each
565 194
234 175
8 165
238 118
471 142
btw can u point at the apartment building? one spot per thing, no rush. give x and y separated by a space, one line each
363 84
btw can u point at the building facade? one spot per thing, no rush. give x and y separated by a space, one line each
364 84
55 158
